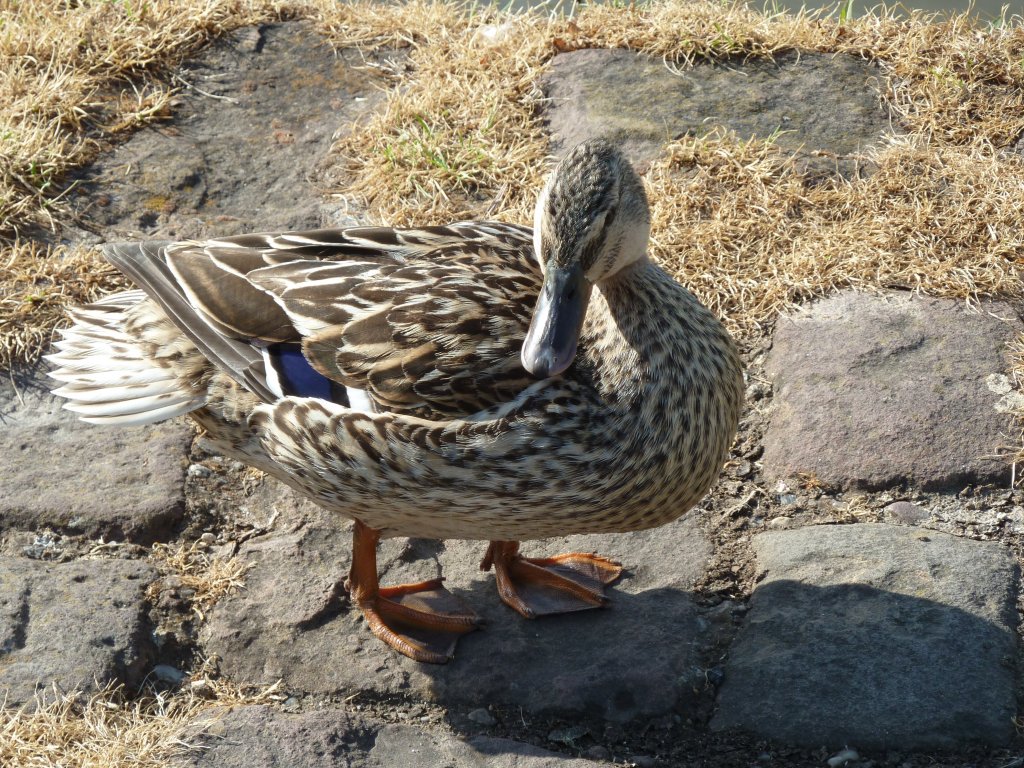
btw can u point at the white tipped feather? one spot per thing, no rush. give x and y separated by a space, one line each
273 380
94 361
107 378
358 400
113 378
80 393
138 419
128 407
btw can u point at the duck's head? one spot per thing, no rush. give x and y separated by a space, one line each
591 222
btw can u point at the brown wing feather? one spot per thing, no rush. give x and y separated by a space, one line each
428 321
437 336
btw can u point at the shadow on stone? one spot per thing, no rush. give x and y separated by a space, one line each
264 736
644 656
853 665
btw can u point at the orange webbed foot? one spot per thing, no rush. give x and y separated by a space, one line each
543 586
423 621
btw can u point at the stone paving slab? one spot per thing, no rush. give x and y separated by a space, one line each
638 102
60 473
263 736
642 656
258 115
872 391
875 636
78 623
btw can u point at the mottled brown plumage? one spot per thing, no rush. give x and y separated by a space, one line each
459 441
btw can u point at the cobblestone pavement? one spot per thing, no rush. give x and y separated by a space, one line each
851 584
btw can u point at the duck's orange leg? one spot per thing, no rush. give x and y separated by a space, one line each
422 621
540 586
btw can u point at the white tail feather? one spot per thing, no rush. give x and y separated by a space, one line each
138 419
111 378
128 407
133 391
107 379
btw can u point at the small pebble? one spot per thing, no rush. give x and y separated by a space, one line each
568 735
198 470
905 512
168 674
482 717
208 538
201 688
780 522
758 390
842 758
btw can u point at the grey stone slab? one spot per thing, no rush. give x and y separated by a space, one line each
60 473
247 136
874 391
825 107
78 624
263 736
283 626
875 636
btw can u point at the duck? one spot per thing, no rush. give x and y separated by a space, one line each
478 380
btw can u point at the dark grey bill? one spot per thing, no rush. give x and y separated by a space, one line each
550 345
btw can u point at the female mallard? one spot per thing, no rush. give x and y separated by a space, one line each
434 383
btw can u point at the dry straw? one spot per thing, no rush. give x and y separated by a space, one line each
101 730
208 576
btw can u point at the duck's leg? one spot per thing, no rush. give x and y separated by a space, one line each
422 621
539 586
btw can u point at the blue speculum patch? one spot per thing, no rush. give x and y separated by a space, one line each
299 379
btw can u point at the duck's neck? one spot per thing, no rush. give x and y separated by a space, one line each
639 322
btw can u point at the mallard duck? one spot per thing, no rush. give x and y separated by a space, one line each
475 381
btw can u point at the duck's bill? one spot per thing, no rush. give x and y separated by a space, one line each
550 345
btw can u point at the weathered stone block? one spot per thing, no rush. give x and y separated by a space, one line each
76 624
875 637
872 391
61 473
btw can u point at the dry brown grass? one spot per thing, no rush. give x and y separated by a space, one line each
210 576
738 223
37 285
103 730
109 729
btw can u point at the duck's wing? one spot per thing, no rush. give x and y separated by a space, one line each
426 320
435 332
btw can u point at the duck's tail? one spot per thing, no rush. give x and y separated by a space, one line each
107 376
